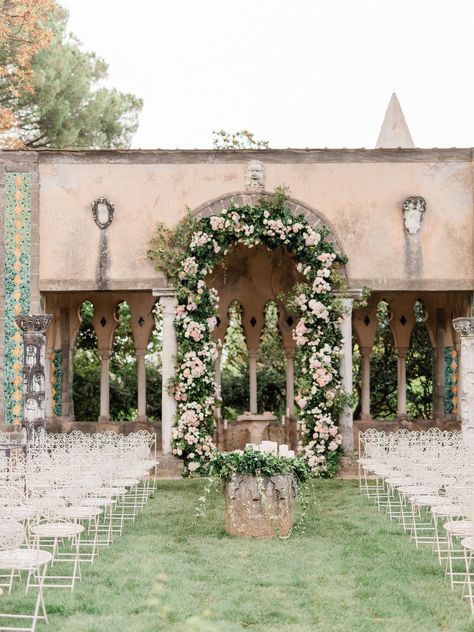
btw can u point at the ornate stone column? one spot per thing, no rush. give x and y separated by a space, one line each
141 384
365 353
290 380
253 380
401 382
168 303
465 328
34 338
105 323
104 355
142 323
345 417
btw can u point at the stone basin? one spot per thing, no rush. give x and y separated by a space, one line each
257 425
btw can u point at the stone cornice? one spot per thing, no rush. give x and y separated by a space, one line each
164 292
211 156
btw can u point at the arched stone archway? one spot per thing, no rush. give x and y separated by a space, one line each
241 198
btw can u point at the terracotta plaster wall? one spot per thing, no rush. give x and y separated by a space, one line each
363 203
361 200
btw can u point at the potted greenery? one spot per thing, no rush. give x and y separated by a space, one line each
260 489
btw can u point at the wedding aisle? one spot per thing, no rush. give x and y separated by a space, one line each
348 569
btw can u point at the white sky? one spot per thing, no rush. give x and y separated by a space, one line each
298 73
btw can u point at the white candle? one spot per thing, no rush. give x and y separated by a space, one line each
270 447
291 453
283 450
288 413
225 424
283 420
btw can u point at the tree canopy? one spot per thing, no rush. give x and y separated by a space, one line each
24 31
61 101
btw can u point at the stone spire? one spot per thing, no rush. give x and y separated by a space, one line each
394 131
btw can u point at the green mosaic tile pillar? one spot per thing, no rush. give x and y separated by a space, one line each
451 380
57 382
17 286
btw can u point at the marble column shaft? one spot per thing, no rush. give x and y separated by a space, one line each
290 380
168 411
253 380
465 328
104 414
346 417
401 382
365 353
141 385
218 376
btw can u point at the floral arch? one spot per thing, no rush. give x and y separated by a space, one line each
198 245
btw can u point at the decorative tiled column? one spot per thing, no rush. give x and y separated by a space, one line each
48 400
465 328
458 393
17 260
345 418
57 382
451 380
168 303
440 404
34 339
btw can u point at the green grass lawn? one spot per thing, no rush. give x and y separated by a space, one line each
351 570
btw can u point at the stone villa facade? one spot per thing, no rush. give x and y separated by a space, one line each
403 216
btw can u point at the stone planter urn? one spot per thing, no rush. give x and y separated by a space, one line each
260 507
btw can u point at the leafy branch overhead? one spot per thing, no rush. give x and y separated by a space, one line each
239 140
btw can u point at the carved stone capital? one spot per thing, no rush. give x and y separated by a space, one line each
168 305
37 323
464 326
